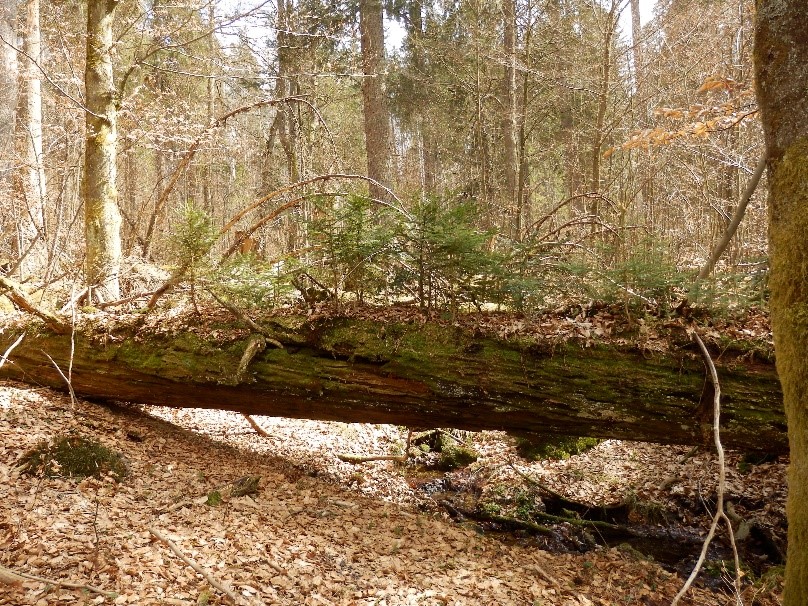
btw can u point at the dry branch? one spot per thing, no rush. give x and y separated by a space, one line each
11 577
255 425
13 291
9 349
205 574
740 210
349 458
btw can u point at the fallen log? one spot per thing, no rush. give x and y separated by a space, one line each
416 373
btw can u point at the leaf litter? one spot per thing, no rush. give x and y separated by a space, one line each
317 530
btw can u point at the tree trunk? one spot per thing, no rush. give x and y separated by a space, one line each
210 110
8 88
637 53
417 374
603 102
32 226
510 118
102 219
376 115
416 35
781 65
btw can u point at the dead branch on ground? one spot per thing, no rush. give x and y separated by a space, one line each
11 577
205 574
349 458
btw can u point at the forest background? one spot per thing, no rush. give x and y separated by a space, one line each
520 153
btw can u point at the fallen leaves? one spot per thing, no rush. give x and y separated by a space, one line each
318 531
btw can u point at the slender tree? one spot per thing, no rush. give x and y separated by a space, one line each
102 216
510 118
8 82
34 190
781 66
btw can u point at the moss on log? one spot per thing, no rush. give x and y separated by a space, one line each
419 374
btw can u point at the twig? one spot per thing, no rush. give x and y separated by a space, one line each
349 458
720 513
255 425
233 309
11 577
536 483
66 379
10 349
207 576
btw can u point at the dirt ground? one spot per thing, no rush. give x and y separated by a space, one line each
319 530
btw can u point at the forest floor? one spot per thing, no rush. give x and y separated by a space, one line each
322 531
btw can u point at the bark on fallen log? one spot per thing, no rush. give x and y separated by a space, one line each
417 374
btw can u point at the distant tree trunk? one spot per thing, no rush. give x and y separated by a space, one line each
8 87
510 118
101 214
603 101
34 190
376 114
207 174
428 151
636 45
781 57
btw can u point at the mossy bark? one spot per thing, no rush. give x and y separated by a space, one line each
421 375
102 218
781 66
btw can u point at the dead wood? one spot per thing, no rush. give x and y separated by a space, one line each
11 577
205 574
418 374
14 292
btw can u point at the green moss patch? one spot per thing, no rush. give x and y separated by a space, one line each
553 447
73 457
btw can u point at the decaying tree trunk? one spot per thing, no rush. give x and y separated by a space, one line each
418 374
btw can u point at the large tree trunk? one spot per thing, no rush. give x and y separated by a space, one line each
409 373
781 65
102 219
376 115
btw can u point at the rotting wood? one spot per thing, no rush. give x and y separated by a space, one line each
420 375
